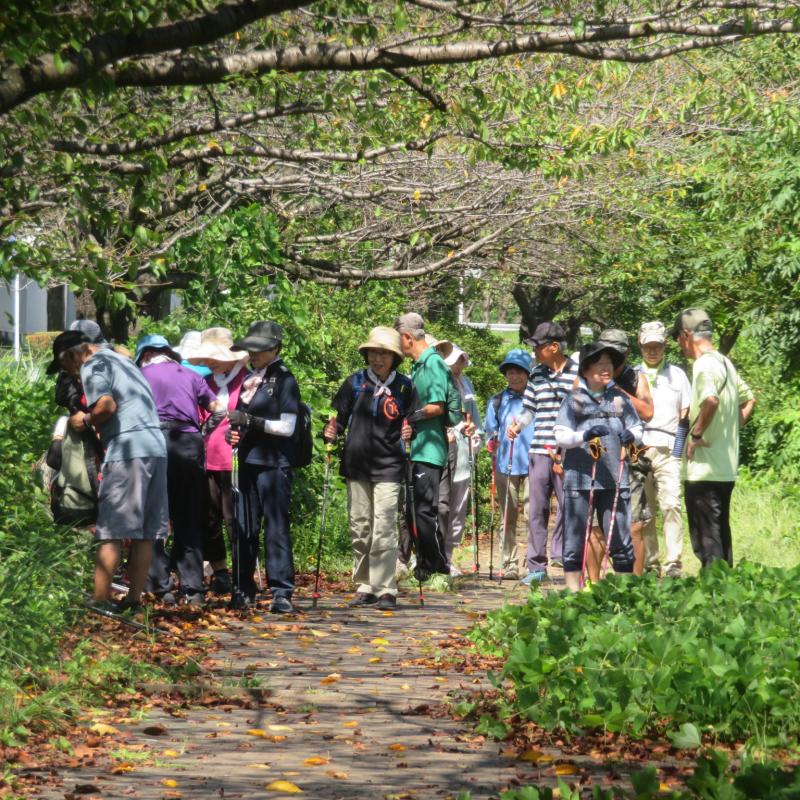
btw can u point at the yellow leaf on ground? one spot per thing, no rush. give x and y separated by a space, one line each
170 783
387 614
379 640
354 650
279 728
397 747
350 724
536 757
332 678
340 776
316 761
318 634
102 729
258 766
171 753
375 660
285 787
122 767
567 769
405 687
256 732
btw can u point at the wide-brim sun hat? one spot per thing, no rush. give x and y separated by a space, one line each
517 358
593 349
154 341
382 338
454 355
443 346
262 335
189 343
216 344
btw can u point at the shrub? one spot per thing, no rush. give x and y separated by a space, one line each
705 654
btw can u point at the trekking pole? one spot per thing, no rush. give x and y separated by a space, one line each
507 502
492 504
237 599
596 450
325 485
622 454
412 507
473 504
131 623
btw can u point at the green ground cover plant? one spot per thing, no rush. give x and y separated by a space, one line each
705 656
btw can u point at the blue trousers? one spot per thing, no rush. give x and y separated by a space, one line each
264 493
576 510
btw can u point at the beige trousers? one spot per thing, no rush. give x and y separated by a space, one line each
664 482
512 488
373 528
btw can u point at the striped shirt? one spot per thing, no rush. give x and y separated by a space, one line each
543 396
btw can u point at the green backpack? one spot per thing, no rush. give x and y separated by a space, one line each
73 498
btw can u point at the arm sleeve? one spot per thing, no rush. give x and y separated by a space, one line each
281 427
567 438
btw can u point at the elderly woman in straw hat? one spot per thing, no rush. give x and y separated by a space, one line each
370 407
227 371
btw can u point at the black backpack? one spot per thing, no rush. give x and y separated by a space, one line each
302 438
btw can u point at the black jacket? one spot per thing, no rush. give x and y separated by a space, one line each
373 450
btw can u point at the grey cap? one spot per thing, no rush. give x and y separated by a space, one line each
614 337
694 320
409 322
90 329
262 335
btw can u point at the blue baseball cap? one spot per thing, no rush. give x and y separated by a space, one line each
154 341
517 358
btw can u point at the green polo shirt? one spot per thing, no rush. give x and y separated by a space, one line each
430 377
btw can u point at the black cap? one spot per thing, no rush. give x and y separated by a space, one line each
547 332
592 350
261 335
63 342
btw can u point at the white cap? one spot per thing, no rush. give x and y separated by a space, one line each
652 332
454 355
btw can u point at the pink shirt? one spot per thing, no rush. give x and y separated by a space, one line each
218 451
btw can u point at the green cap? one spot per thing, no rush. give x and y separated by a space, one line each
613 337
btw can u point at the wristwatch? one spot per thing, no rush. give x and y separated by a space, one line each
696 436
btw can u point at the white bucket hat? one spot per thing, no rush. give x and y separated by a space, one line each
383 338
189 344
216 345
455 354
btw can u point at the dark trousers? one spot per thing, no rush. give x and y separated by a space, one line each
264 493
542 483
428 539
220 515
186 490
708 508
576 510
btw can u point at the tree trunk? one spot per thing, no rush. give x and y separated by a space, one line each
541 304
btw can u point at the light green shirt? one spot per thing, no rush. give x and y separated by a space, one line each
430 377
713 375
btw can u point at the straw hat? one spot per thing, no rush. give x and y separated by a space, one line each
216 344
382 338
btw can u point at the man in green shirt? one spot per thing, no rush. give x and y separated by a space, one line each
429 444
721 403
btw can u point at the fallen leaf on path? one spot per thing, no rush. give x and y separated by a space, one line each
224 724
257 732
171 753
122 768
405 687
285 787
375 660
86 788
536 757
387 614
332 678
170 783
397 747
276 737
340 776
379 640
567 769
354 650
316 761
279 728
155 730
258 766
350 724
170 795
102 729
318 634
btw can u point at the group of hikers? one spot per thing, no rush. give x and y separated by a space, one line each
198 443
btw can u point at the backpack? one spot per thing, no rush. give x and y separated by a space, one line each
73 498
302 439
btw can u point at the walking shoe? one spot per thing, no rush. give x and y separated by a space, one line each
221 582
196 599
509 575
281 605
242 602
128 608
168 598
421 574
537 576
557 562
363 599
386 601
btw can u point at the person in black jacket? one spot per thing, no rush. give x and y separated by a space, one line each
262 427
371 405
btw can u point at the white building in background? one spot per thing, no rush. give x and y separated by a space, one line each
25 304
